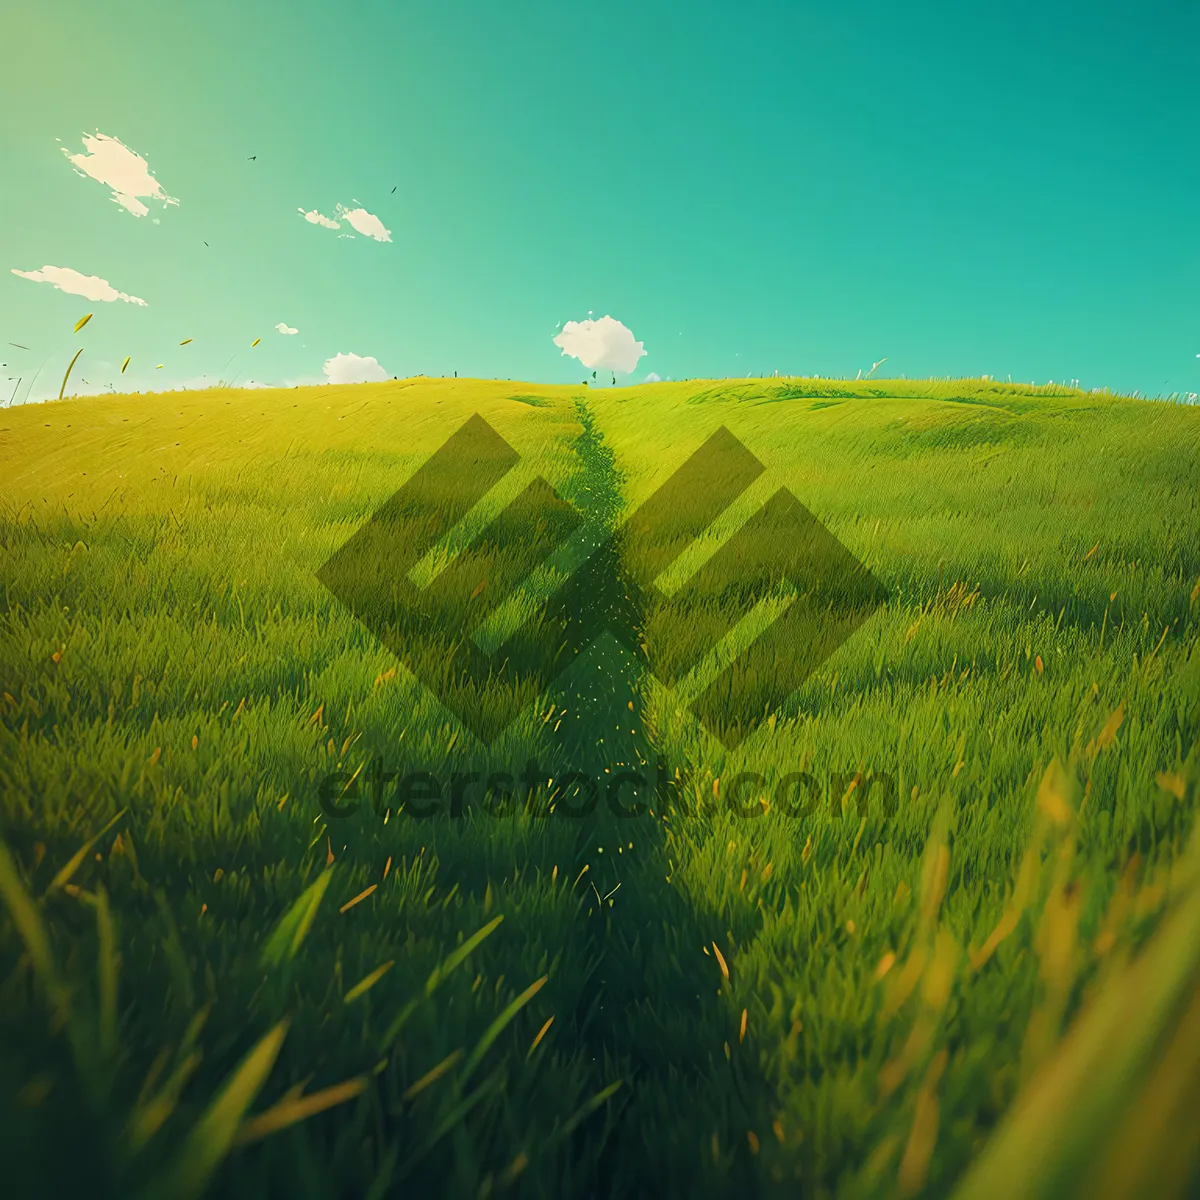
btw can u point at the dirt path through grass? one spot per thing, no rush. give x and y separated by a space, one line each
651 1016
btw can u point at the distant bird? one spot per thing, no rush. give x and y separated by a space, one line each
393 192
207 245
252 158
19 347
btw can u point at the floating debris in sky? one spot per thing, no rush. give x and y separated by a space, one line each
82 322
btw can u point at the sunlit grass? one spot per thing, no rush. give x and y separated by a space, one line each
208 982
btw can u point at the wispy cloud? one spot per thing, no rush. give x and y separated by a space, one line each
350 368
317 218
91 287
286 329
605 344
110 162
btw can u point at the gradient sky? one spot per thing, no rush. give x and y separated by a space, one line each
793 186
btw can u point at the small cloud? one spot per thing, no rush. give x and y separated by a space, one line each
653 378
605 344
110 162
286 329
350 368
91 287
316 218
364 222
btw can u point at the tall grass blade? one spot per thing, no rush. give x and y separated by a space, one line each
216 1132
293 927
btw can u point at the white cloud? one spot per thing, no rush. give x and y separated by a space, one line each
359 219
283 328
605 344
110 162
653 378
366 223
350 368
317 218
91 287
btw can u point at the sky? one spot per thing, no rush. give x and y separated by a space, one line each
706 190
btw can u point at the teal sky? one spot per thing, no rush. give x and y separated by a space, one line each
805 187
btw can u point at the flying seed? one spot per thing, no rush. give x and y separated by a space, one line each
361 896
721 960
541 1033
255 343
82 322
125 363
185 341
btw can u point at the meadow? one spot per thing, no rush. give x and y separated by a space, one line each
966 963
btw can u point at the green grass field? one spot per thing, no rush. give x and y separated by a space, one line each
988 985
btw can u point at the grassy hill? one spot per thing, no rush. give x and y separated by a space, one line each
969 965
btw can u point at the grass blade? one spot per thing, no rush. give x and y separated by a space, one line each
216 1131
33 933
497 1027
108 974
433 1075
68 374
587 1109
456 956
296 922
150 1116
1036 1153
63 877
368 981
290 1111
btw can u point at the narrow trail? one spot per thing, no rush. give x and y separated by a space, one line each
651 1016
